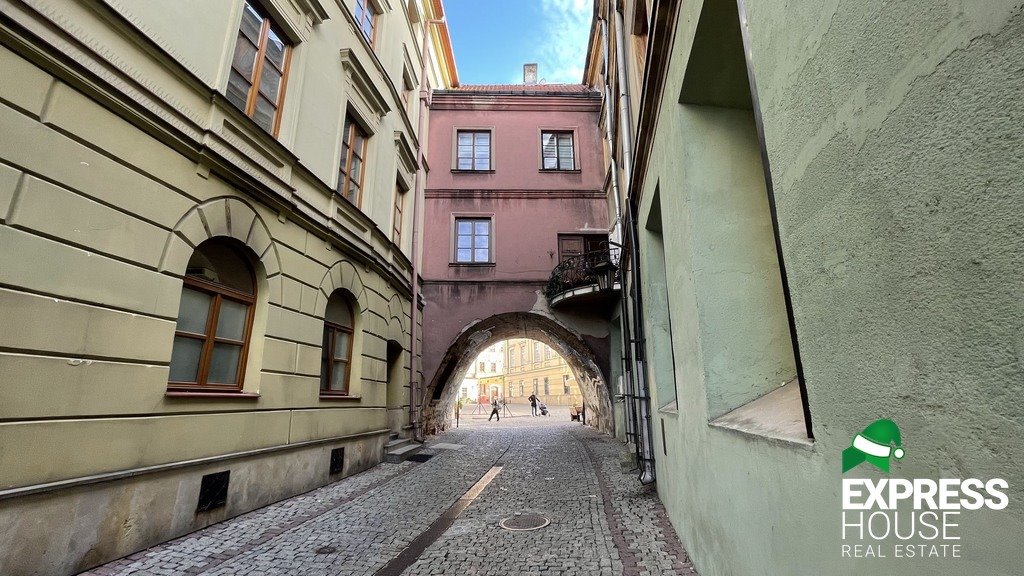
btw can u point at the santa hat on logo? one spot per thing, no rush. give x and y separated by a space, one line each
875 445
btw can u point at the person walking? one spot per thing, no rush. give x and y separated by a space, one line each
495 409
533 404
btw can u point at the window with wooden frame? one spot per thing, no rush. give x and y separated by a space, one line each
536 352
397 215
472 240
259 69
353 154
366 19
557 150
215 318
473 150
336 355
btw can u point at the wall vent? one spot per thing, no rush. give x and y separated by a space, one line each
337 460
213 491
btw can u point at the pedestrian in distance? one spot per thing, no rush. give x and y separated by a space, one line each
533 404
495 409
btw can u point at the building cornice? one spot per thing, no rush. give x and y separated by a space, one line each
518 194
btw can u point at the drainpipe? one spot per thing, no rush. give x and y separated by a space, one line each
628 386
647 474
415 385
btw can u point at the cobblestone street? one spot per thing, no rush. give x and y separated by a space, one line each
601 520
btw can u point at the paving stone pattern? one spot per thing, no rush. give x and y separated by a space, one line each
602 520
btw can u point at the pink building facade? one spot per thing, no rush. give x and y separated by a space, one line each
516 186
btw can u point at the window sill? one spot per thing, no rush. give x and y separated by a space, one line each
472 264
778 415
556 171
211 394
339 398
457 171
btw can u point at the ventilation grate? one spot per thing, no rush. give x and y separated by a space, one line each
337 461
213 491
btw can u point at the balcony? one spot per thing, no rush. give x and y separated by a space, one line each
588 280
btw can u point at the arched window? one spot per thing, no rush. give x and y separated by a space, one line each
336 358
214 319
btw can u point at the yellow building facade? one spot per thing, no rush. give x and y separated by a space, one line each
534 368
206 216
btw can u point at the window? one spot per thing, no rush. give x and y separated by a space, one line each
214 319
522 355
522 390
547 389
473 150
336 355
472 240
557 151
366 19
353 152
259 69
494 367
481 367
535 386
548 352
396 226
536 351
565 384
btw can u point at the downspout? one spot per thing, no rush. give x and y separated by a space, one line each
647 473
415 385
628 386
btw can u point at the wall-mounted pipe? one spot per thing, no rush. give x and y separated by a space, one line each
643 404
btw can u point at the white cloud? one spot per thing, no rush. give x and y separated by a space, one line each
561 47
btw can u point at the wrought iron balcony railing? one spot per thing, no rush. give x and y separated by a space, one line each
589 269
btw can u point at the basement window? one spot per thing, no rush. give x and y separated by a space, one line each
213 491
337 461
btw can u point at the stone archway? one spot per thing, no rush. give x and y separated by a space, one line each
443 389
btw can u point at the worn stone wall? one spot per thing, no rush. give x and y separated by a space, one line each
892 132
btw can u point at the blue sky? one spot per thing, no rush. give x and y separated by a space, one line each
492 39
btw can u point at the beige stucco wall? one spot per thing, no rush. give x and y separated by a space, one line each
892 130
114 163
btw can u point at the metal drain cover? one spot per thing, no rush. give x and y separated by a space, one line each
524 522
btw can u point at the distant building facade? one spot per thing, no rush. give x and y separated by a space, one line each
490 364
514 194
534 368
206 222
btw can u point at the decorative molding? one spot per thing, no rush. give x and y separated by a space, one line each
363 84
406 155
314 10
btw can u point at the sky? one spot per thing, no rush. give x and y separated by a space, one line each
492 39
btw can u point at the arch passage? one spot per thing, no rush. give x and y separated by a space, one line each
443 389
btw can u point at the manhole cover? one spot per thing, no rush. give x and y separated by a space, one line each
326 550
524 522
420 457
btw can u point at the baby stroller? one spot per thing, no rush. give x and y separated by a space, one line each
543 409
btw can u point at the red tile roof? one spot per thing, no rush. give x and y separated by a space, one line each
526 88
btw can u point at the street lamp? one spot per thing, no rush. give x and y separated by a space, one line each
605 273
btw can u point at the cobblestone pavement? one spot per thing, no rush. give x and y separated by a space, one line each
602 521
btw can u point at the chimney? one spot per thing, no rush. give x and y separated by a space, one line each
530 73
